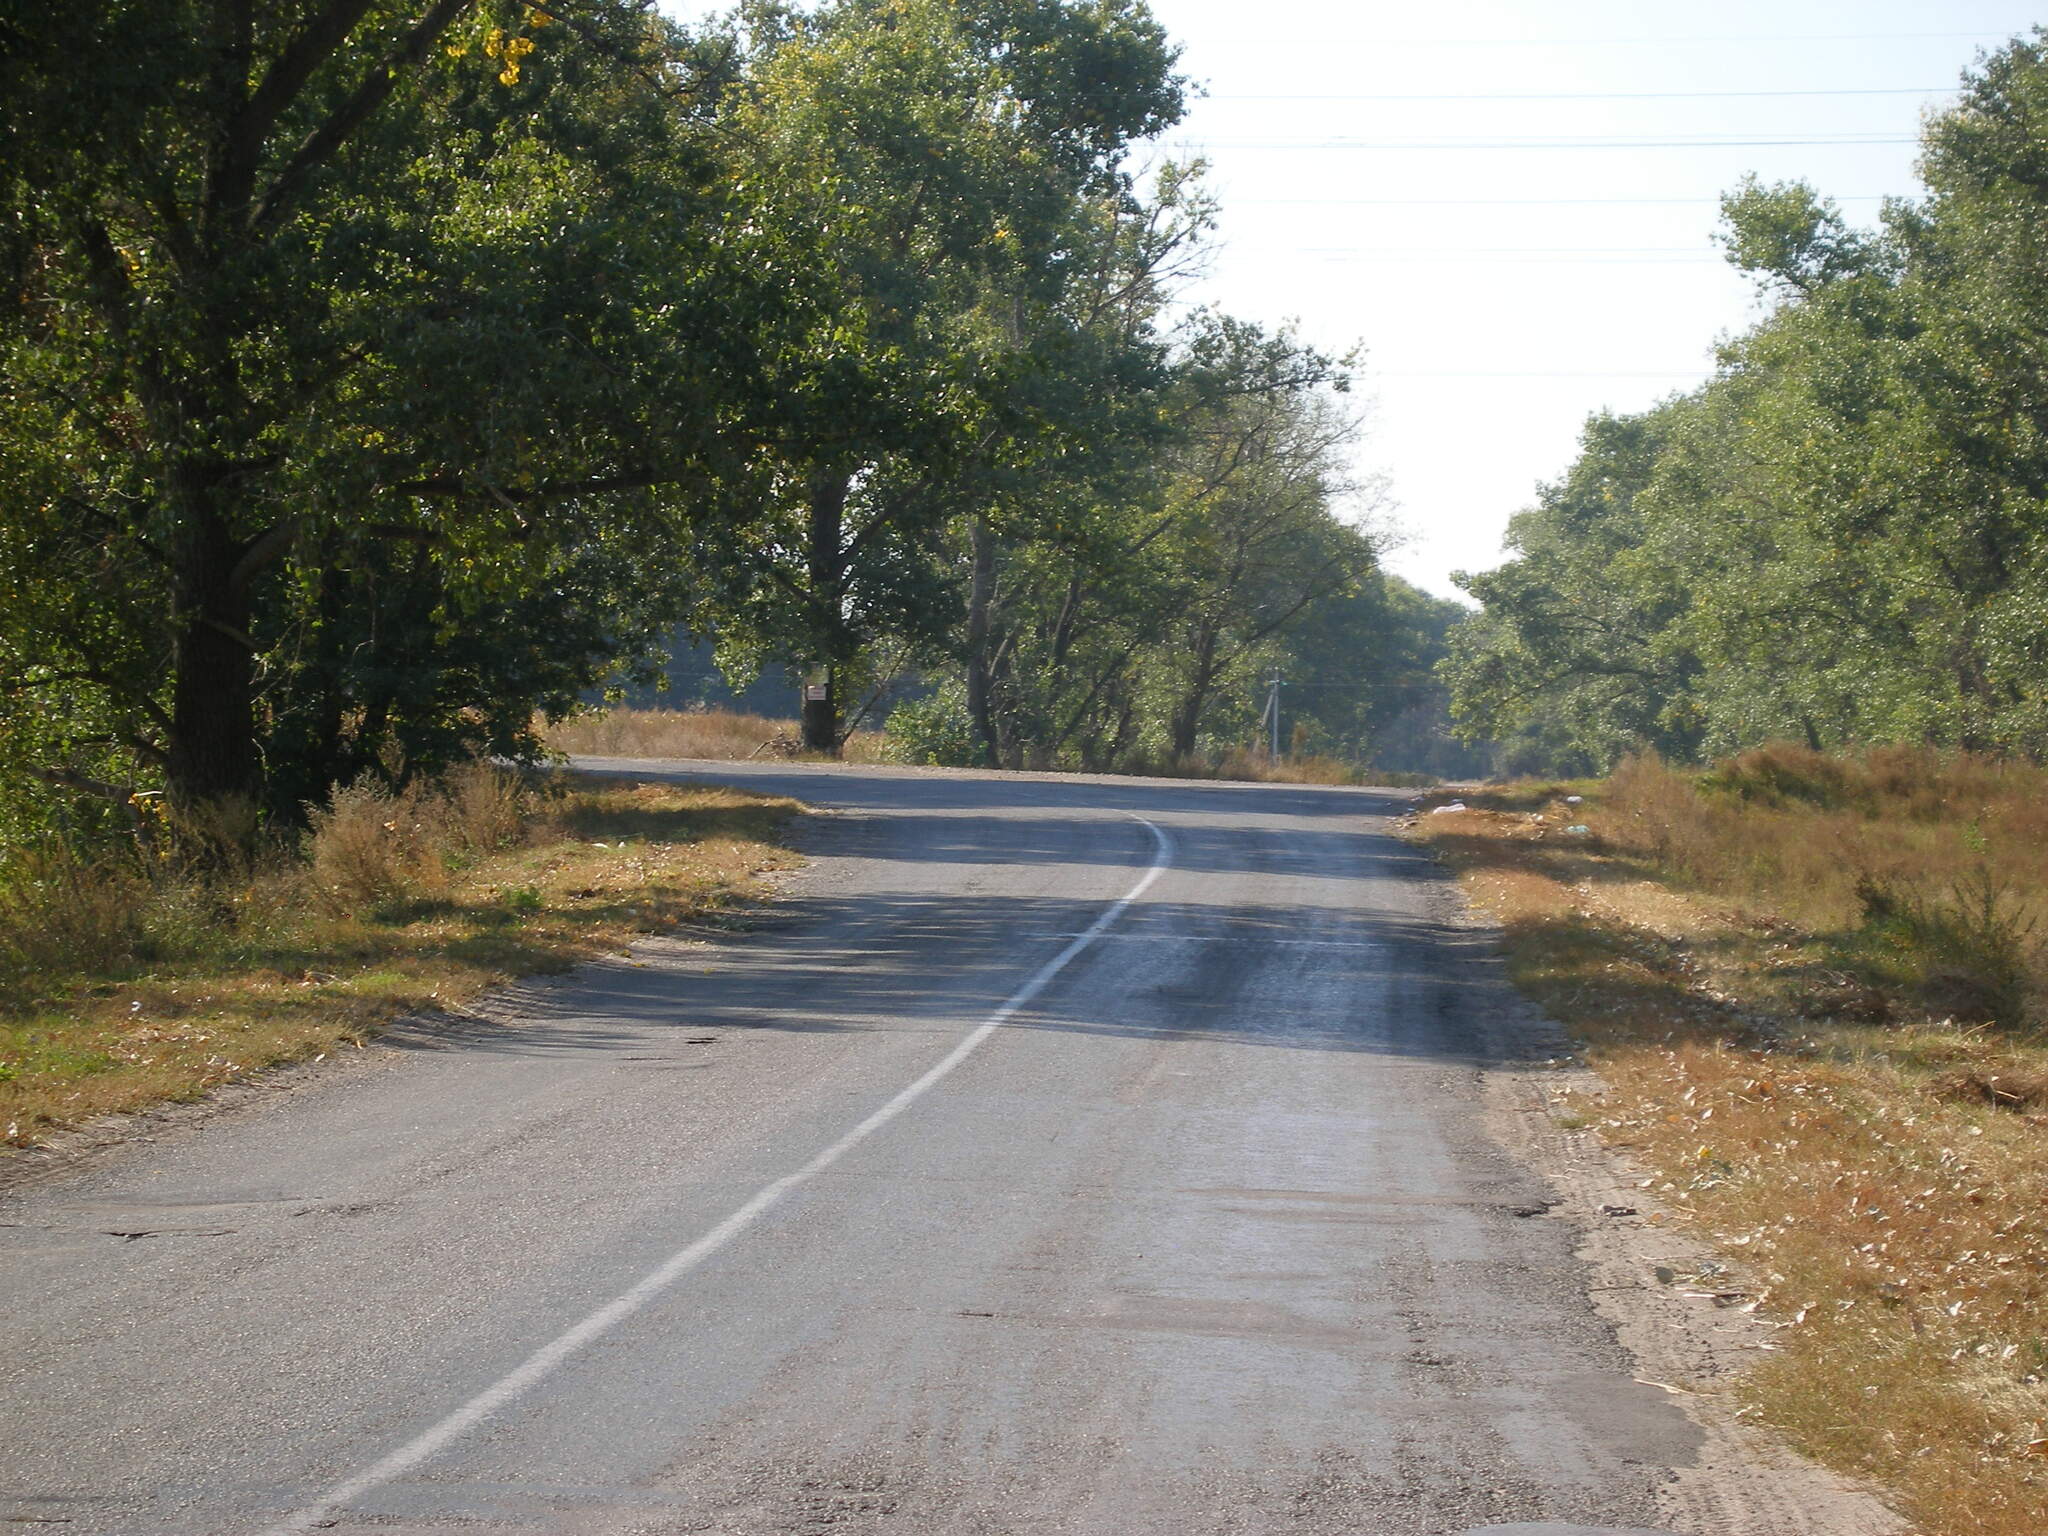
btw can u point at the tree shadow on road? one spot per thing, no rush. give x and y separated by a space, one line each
1305 978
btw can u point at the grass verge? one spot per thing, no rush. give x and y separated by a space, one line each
1814 1011
118 990
703 733
724 734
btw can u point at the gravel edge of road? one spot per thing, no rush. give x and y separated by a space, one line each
1746 1482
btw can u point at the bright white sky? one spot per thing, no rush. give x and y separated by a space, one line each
1511 203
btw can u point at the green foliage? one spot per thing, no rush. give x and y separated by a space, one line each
385 376
1132 617
1841 539
354 343
1787 234
1581 620
1361 671
1971 950
935 729
934 172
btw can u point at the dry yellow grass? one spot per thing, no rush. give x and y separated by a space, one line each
205 984
712 733
1875 1169
724 734
1298 768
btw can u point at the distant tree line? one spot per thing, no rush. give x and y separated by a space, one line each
378 376
1842 538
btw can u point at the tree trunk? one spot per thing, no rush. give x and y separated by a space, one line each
980 598
1187 715
827 560
310 750
213 772
821 723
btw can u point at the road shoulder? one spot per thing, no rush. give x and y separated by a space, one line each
1692 1334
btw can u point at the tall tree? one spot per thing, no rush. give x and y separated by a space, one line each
1254 545
927 159
1576 625
1844 536
298 282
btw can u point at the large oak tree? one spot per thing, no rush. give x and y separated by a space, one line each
333 319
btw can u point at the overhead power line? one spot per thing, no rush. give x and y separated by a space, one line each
1696 141
1503 202
1274 40
1904 90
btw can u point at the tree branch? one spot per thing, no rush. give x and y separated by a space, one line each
381 81
456 485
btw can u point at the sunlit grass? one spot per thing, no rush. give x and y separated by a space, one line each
284 967
1877 1167
701 733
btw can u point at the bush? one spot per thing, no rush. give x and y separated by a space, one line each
485 808
936 730
365 846
370 846
61 912
1656 812
1971 952
70 910
1780 773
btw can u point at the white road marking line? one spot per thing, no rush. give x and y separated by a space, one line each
1234 938
543 1361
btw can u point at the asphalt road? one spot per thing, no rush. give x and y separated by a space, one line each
1059 1156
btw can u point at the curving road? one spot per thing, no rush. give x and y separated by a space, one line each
1059 1156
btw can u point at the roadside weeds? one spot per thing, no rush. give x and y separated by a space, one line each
699 733
1872 1177
730 735
407 904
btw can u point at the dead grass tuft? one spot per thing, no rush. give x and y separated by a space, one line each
1297 768
60 911
1256 766
370 844
1755 959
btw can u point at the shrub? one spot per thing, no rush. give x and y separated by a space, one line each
61 912
1971 952
485 808
1656 812
364 846
1780 772
935 730
370 846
